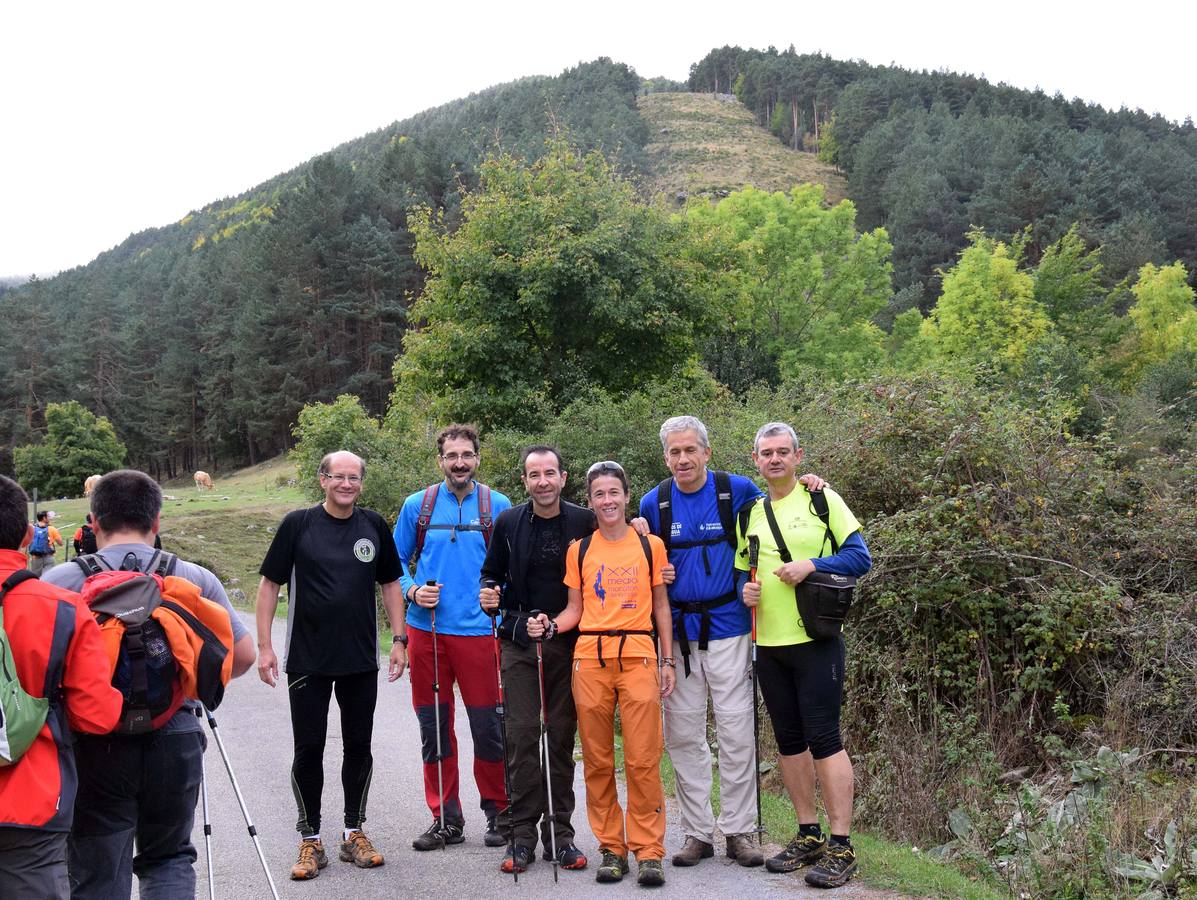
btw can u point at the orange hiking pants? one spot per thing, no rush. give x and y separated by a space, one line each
638 690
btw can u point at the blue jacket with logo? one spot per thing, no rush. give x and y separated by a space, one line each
451 557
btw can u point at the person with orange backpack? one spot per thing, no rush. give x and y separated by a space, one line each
56 655
139 785
442 536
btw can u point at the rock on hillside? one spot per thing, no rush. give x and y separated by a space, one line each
702 144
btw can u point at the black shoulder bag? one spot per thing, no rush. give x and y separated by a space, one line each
823 598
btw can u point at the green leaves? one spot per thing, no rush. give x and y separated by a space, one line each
77 444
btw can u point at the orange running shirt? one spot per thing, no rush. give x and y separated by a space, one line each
616 592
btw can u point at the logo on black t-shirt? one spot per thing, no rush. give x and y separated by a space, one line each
364 550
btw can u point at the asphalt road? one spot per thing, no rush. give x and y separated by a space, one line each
255 725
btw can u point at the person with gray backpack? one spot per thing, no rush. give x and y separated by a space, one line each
53 679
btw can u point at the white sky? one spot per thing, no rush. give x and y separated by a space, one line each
118 116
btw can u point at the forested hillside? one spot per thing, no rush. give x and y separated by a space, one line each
201 341
930 155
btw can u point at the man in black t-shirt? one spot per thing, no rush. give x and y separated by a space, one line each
526 559
330 557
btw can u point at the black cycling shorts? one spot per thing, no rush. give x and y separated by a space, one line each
803 688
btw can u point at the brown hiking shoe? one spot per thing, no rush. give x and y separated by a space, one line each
692 851
359 851
741 848
311 860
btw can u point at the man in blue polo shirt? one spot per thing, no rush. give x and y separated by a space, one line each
442 537
693 512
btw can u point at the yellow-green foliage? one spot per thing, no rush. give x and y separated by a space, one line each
987 312
1164 316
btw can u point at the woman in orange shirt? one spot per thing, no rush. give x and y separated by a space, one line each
616 597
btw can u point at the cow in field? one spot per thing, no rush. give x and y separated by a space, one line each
89 484
203 481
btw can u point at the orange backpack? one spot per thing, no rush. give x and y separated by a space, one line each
165 642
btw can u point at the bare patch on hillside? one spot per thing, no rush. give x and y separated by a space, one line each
708 147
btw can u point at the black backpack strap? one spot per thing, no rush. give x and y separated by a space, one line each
13 580
165 564
648 554
745 514
582 548
727 514
60 644
818 502
782 550
665 512
91 564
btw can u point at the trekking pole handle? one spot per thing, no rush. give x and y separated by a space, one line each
754 557
493 585
549 631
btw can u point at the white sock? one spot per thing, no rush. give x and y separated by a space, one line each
311 837
350 831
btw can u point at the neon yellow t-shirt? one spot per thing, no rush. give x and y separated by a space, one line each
777 621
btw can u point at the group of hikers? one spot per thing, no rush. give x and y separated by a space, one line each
548 618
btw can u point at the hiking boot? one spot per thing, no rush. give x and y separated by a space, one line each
743 850
803 849
358 850
649 873
568 857
692 851
435 838
518 859
311 859
612 868
492 838
837 865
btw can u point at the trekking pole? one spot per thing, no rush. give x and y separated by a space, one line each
253 832
502 711
207 823
544 746
436 715
754 554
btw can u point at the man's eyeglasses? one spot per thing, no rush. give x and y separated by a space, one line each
342 479
469 456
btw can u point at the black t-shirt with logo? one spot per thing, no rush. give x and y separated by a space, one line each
330 567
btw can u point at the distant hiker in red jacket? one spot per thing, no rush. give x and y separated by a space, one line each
50 632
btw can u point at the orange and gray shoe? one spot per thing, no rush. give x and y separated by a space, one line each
311 860
358 850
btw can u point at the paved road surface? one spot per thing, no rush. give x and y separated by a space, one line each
254 723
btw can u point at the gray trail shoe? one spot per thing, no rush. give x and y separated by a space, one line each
744 850
612 868
649 873
834 868
693 850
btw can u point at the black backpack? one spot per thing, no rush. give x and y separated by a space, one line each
87 543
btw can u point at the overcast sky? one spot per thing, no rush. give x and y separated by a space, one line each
118 116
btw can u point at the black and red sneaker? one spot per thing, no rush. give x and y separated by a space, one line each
568 857
518 859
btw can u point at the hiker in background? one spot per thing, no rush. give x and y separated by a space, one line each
442 535
801 676
139 789
54 641
85 538
617 599
42 547
330 557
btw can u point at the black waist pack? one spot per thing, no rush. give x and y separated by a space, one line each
824 599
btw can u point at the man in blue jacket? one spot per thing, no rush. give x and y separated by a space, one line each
442 537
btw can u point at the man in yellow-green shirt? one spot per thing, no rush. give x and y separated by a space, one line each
802 677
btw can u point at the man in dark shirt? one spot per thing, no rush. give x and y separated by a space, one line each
523 571
330 557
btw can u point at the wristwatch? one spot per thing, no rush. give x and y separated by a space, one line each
668 661
399 639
